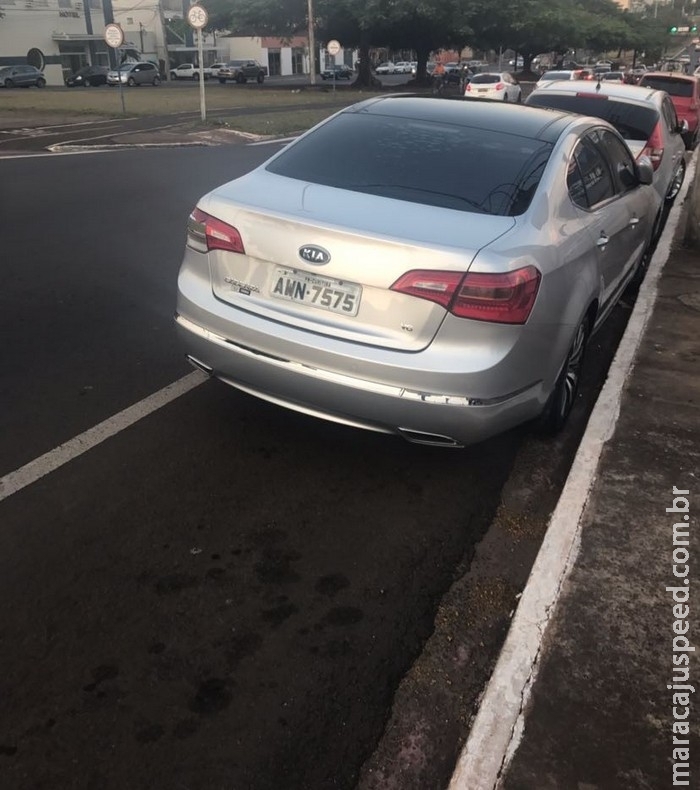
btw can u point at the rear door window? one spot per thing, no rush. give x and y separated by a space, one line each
595 173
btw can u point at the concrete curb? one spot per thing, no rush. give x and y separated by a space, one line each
499 724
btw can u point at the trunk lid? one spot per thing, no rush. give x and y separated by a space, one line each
324 259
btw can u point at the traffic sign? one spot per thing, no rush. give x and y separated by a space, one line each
114 35
333 47
197 16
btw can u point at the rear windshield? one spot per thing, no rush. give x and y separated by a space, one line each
632 121
486 78
437 164
555 75
672 86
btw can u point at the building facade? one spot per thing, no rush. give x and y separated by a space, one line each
61 36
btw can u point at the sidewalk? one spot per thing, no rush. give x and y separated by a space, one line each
594 710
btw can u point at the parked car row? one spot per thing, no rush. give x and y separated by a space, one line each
337 72
444 302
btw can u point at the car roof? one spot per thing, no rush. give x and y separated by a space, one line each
531 122
673 75
613 90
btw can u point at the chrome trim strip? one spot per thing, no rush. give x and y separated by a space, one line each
349 381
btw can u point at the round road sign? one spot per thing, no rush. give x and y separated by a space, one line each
197 16
333 47
114 35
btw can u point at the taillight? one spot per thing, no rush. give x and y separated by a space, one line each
469 87
205 233
500 86
505 298
654 148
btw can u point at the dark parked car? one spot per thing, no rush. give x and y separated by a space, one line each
87 76
337 72
13 76
241 71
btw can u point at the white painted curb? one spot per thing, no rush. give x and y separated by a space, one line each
499 724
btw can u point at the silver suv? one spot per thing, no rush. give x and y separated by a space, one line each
645 118
13 76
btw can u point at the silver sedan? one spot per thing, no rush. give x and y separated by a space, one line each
439 279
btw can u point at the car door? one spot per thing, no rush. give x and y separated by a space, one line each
594 189
146 73
674 147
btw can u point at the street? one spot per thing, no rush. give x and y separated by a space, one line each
225 594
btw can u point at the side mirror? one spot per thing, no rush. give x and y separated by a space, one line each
645 170
683 126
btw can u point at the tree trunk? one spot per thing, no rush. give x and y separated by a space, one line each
365 78
422 76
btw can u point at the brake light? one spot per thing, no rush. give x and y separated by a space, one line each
505 298
654 148
500 86
469 87
205 233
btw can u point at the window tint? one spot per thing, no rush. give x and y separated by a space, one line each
621 160
437 164
672 85
632 121
555 75
574 182
596 175
670 115
486 78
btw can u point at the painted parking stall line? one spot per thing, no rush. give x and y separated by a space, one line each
29 473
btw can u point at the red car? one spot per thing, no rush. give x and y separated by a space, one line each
684 90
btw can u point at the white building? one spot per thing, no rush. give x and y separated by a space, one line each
61 36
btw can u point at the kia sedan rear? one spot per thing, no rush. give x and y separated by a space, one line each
408 288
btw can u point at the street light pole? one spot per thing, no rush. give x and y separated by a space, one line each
312 43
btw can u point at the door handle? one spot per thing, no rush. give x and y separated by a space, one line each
602 241
634 222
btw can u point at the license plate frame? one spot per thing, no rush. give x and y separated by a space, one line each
313 290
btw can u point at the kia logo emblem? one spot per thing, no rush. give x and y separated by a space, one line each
312 254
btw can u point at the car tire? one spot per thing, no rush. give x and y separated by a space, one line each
156 82
261 79
563 397
222 82
131 82
41 83
9 83
676 183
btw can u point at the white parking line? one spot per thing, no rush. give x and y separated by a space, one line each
49 462
500 721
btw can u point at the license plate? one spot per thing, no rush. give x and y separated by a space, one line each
325 293
483 90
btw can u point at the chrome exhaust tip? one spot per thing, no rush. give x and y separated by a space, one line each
430 439
199 365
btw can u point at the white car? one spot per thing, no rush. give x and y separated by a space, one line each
402 67
499 86
188 71
214 69
385 68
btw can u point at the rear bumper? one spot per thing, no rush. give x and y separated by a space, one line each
423 416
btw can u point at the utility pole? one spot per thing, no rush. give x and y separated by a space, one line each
312 43
164 32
